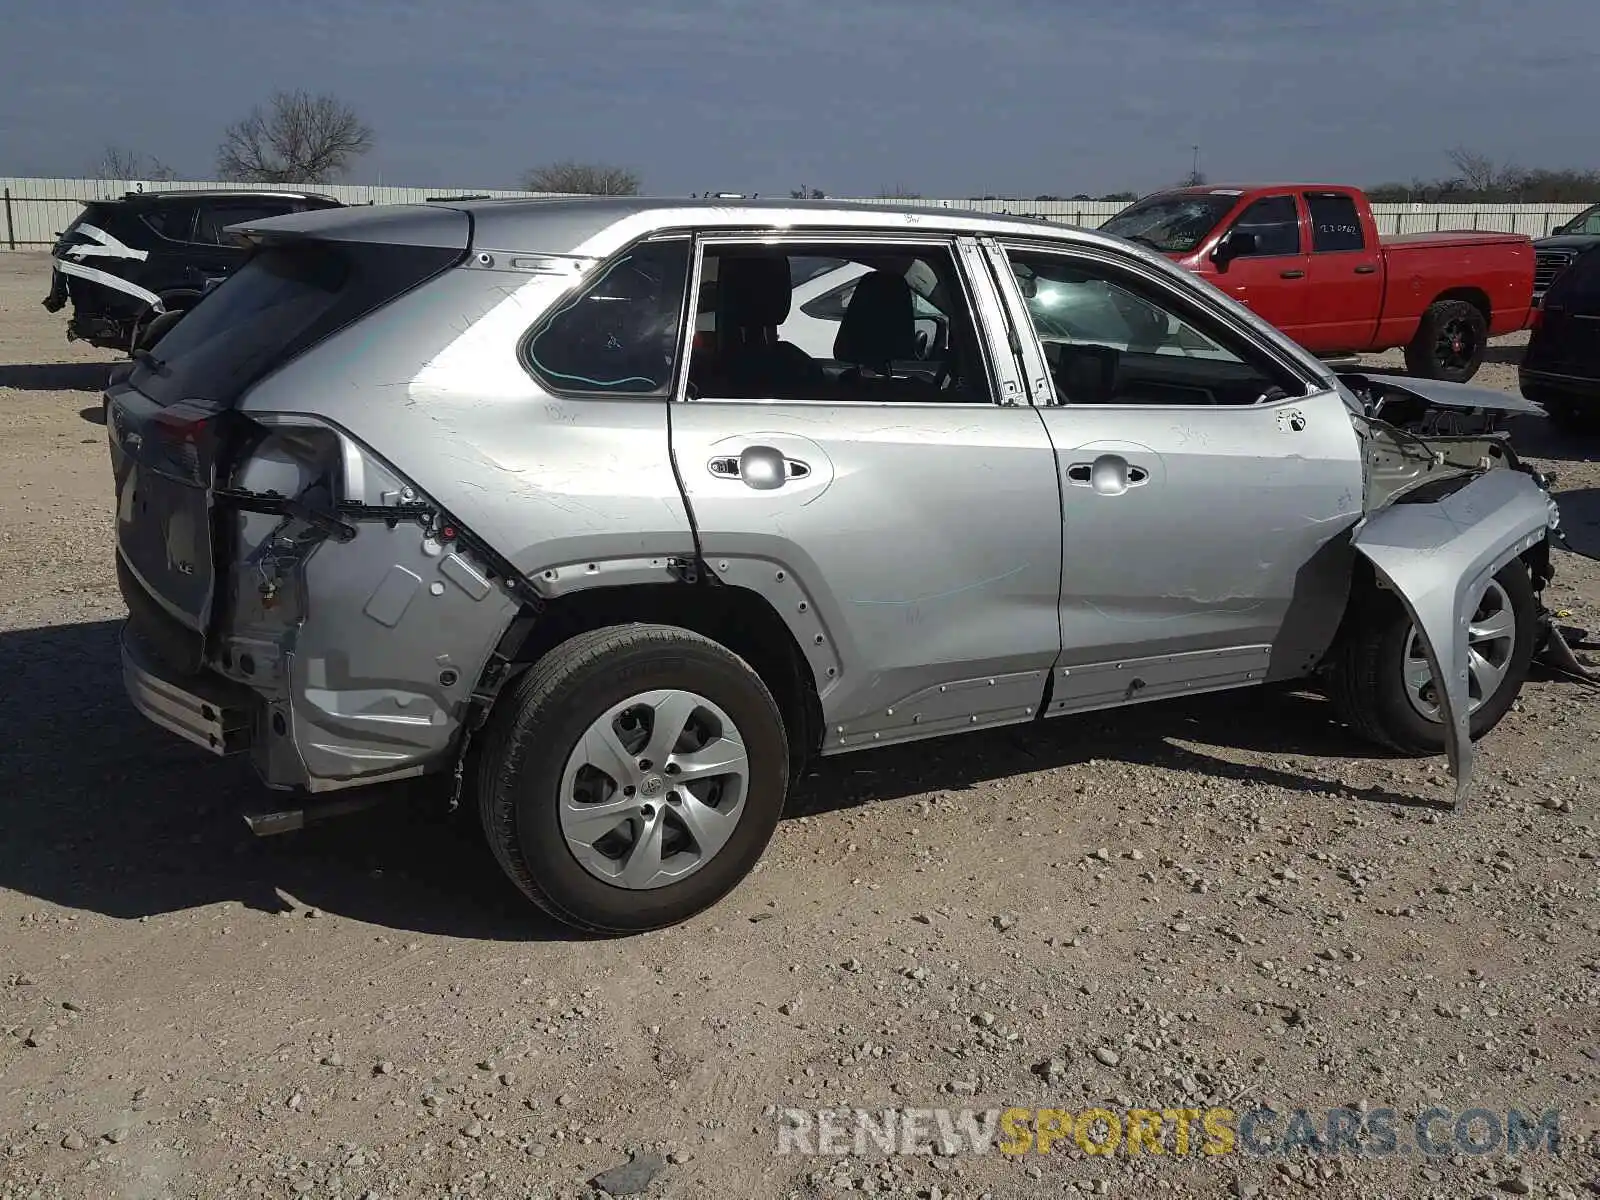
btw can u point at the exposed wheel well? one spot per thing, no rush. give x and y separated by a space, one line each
1365 590
1476 297
733 616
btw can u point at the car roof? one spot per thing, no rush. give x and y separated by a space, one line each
220 194
1241 189
598 225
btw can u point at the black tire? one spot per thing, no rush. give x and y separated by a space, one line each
1368 676
535 726
1447 324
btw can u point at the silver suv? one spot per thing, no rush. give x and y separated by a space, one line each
475 489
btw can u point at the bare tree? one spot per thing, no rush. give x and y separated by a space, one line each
1480 173
898 192
118 162
584 179
298 138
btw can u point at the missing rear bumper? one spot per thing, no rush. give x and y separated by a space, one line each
196 709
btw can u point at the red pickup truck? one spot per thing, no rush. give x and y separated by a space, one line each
1308 259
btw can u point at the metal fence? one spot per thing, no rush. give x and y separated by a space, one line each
37 209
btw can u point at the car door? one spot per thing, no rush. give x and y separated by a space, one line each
1345 275
1208 482
1270 278
903 516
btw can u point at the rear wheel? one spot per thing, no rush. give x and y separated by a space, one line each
1384 688
1449 342
632 777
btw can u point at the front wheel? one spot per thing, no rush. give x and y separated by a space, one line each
1449 343
632 777
1384 688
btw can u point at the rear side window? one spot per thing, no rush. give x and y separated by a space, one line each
172 221
1335 223
618 336
280 302
214 218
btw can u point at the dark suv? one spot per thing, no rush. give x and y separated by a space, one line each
1554 254
126 263
1561 367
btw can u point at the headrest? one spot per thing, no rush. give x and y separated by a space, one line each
880 324
753 291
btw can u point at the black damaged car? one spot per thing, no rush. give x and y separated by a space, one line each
1561 368
131 266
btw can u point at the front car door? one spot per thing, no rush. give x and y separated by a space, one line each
1270 279
1345 274
1209 483
895 500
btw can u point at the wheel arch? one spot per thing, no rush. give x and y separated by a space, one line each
1477 297
737 617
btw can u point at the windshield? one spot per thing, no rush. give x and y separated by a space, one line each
1172 222
1587 221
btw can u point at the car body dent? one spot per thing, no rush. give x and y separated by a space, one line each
1438 558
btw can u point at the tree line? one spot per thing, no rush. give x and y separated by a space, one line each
301 137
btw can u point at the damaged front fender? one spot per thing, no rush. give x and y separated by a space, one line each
1438 557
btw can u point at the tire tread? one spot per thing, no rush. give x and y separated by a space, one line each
517 716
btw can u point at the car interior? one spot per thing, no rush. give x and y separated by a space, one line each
879 352
1108 344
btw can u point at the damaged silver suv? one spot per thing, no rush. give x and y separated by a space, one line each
532 496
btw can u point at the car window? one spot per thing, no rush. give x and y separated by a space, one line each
896 328
171 221
1172 222
214 218
1111 337
1335 223
831 305
1586 222
1275 222
617 335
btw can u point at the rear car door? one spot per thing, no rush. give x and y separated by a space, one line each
1345 276
902 509
1270 279
1207 481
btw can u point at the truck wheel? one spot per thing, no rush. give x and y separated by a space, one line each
1384 690
632 777
1449 343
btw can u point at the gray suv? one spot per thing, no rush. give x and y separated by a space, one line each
498 491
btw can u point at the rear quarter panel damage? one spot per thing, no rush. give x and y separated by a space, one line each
432 384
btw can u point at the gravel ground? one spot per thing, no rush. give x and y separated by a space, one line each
1227 903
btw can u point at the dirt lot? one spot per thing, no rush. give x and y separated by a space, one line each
1229 903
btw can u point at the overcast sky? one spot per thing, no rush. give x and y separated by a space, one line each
945 97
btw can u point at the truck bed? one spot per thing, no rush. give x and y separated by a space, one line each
1446 238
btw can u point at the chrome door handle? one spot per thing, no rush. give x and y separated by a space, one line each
1108 475
759 467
